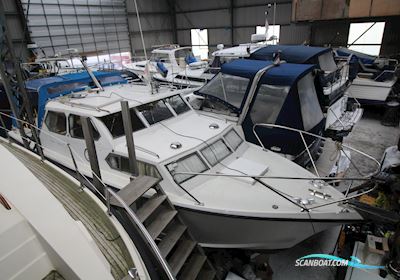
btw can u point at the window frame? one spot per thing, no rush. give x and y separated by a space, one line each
48 127
95 130
184 157
126 172
229 144
208 146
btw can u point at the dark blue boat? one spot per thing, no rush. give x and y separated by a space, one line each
283 95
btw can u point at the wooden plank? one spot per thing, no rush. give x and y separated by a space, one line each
150 206
135 189
308 10
172 237
180 256
161 222
193 268
385 8
334 9
360 8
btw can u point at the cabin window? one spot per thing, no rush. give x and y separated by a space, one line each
121 163
56 122
310 108
161 57
76 130
115 124
233 139
228 88
216 152
192 163
155 112
68 87
327 62
177 104
268 103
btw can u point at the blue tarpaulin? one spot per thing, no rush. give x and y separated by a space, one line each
285 74
290 53
364 58
52 87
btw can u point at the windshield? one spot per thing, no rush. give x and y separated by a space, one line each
268 103
191 163
310 109
216 152
327 62
115 125
233 139
229 88
163 109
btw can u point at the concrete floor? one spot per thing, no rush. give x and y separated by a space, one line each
368 136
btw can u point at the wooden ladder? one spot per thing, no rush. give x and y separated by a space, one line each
151 205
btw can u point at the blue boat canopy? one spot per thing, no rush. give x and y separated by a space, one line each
53 87
285 74
364 58
290 53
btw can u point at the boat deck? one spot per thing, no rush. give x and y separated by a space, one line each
83 208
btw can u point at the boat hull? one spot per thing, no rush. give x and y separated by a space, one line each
364 89
225 231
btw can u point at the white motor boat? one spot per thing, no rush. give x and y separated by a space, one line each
375 79
230 193
50 230
173 64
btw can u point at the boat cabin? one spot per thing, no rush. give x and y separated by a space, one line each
331 79
284 95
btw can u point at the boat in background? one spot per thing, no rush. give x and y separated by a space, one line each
52 230
375 79
173 64
331 79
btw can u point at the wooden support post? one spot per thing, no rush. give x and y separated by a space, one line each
91 148
127 120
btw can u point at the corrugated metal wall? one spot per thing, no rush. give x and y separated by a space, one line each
157 24
16 23
91 26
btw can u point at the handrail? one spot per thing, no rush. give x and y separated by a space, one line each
316 136
106 197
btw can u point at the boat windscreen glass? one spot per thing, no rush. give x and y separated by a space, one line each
233 139
67 87
191 163
229 88
310 108
216 152
155 112
115 124
268 103
177 103
327 62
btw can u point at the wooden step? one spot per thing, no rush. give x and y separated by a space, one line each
206 274
193 268
135 189
172 237
150 206
181 254
161 222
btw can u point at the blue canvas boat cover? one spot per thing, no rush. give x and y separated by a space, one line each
52 87
364 58
290 53
285 74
